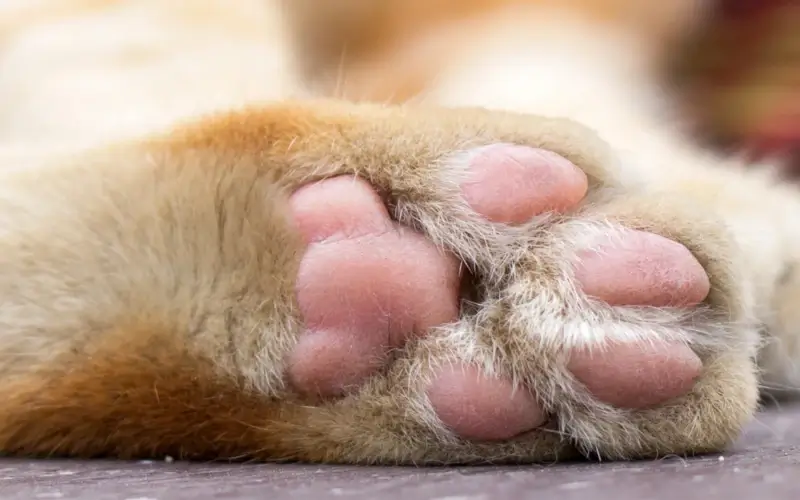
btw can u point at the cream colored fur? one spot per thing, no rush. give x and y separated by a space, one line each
122 205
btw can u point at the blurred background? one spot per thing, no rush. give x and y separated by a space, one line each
739 79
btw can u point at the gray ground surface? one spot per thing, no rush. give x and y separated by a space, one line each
765 465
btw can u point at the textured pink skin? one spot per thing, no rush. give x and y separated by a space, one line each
643 269
479 407
511 184
365 284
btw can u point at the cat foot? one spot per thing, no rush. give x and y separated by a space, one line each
368 284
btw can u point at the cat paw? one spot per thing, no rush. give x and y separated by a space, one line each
368 285
596 319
